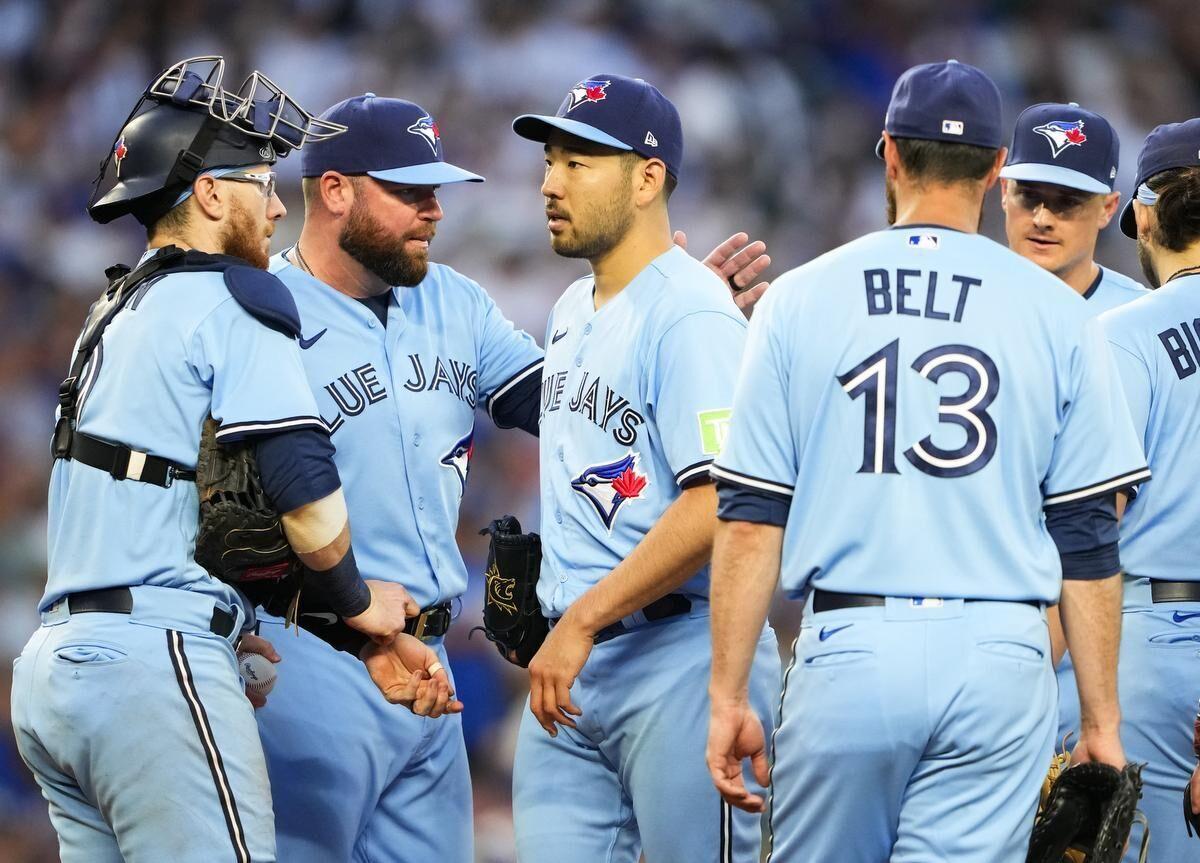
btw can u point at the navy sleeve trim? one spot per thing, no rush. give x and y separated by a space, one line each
1115 484
733 477
297 467
741 504
692 472
517 403
237 431
504 388
1092 565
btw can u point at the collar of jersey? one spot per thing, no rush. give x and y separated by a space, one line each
925 225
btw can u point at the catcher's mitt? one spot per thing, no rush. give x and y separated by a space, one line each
1087 815
512 617
241 539
1191 819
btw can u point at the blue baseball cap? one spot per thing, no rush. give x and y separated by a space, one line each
1064 145
948 101
1172 145
619 112
388 139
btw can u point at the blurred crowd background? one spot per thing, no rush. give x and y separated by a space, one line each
782 102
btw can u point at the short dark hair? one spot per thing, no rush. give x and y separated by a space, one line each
942 161
1177 208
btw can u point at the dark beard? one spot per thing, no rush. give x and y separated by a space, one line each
242 238
610 225
1147 265
365 240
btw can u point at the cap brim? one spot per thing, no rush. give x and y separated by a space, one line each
1036 172
429 174
1127 222
536 127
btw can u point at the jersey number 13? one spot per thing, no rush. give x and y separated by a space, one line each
875 379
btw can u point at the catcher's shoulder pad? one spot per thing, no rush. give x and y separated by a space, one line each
265 297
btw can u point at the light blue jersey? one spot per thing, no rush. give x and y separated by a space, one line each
1112 289
926 391
183 349
635 401
400 402
1156 347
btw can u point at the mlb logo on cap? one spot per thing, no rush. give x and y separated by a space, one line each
1064 145
948 101
622 113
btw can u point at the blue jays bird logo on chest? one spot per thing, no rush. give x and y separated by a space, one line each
427 128
1062 134
586 91
459 458
607 487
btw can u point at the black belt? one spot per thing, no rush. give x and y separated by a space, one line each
824 600
119 600
671 605
432 622
1174 591
115 458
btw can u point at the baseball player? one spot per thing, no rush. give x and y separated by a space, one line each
910 449
1154 343
640 363
126 702
1057 193
402 351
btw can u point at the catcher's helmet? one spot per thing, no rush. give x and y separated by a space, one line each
186 123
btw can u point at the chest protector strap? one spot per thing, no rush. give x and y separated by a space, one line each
117 459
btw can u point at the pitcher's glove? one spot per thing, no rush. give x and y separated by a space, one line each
512 617
1090 809
240 539
1192 820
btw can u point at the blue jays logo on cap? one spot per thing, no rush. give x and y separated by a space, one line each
590 90
459 458
1085 141
427 128
1062 134
608 486
120 151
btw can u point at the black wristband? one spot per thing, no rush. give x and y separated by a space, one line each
341 586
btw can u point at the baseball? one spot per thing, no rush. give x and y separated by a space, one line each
257 671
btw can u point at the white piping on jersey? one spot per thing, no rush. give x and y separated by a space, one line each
1099 488
272 425
724 473
692 472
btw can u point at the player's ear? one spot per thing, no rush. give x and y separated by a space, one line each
1143 217
891 157
1111 205
997 165
650 177
337 193
210 199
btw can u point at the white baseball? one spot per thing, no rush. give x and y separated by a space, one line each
257 671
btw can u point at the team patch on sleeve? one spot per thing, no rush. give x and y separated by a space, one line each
714 425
